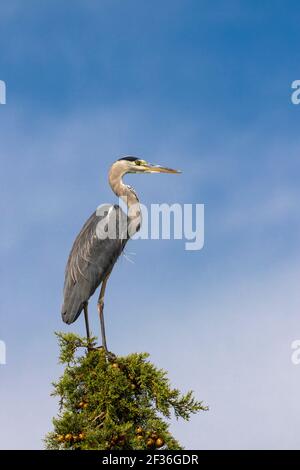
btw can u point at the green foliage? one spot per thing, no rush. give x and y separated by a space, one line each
118 403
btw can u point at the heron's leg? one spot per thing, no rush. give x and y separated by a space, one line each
100 310
86 319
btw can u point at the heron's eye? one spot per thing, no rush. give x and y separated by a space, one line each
140 162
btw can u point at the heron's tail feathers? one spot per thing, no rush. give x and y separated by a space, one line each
72 307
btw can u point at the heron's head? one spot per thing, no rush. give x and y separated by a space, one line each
137 165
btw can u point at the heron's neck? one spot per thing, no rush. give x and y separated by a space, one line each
128 195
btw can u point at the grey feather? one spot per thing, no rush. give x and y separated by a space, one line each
90 260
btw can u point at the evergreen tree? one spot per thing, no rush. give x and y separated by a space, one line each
114 403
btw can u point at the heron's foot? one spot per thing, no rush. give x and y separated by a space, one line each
110 356
95 348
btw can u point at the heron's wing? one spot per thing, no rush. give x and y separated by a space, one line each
90 260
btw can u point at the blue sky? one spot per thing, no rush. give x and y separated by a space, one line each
199 85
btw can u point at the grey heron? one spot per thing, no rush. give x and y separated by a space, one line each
92 258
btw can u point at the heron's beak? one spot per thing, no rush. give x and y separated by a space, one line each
149 168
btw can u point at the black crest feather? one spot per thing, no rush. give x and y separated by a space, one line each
129 159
